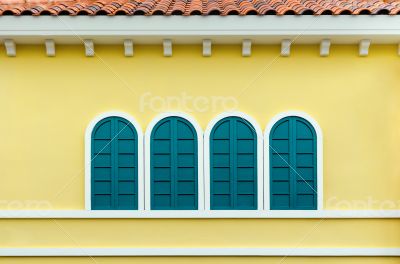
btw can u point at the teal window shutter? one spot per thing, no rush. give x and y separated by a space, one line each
233 165
174 165
293 165
114 184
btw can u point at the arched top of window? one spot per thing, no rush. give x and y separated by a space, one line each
102 117
303 128
246 118
244 128
184 116
123 128
305 116
162 130
113 171
174 164
293 163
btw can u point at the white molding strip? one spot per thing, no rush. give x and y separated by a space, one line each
291 252
185 30
111 214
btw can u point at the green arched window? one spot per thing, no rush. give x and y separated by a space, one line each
174 165
114 165
293 165
233 165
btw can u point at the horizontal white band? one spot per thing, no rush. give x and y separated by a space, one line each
199 214
186 30
24 252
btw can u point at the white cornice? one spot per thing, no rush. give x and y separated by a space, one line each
292 252
339 214
192 30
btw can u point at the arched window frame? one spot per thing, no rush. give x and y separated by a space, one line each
200 180
260 167
318 132
88 156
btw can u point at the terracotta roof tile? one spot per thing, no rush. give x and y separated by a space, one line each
199 7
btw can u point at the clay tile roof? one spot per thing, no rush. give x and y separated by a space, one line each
198 7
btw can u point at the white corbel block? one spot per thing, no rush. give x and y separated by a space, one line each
11 48
285 47
128 47
89 47
363 48
167 45
207 47
50 47
324 47
246 48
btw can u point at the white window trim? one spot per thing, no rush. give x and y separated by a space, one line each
207 175
318 132
88 158
200 180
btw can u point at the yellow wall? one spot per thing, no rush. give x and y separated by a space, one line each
192 233
46 104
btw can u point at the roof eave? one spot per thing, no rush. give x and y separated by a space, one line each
192 30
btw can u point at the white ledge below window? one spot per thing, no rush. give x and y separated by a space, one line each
199 214
287 252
